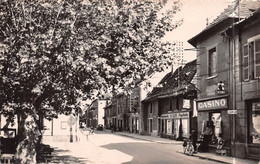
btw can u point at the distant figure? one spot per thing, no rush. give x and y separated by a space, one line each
91 130
112 128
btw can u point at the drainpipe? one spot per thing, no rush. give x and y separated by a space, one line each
234 100
234 92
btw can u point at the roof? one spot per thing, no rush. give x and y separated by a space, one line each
175 83
240 9
108 105
254 17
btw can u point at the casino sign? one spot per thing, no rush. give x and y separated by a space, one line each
212 104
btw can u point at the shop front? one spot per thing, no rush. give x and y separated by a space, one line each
253 145
213 122
175 125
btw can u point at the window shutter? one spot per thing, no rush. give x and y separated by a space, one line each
246 63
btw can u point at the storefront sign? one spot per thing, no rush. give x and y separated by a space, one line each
212 104
176 115
183 115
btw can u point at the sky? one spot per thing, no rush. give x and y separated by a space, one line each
194 14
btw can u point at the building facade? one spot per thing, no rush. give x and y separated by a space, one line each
225 100
168 111
95 113
123 111
245 37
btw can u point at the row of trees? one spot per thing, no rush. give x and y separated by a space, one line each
54 54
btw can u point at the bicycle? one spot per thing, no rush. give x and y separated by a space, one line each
188 147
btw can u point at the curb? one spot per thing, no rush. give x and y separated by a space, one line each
133 137
205 158
159 142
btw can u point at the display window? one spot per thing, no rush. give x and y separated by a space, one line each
169 126
214 127
254 122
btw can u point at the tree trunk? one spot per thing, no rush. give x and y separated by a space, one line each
29 136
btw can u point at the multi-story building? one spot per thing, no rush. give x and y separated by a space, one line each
228 68
123 111
178 52
168 111
244 37
95 113
108 115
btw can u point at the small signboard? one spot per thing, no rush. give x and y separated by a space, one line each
71 121
232 111
258 84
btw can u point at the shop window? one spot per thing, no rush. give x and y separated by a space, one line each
212 62
255 123
214 128
169 126
185 127
165 130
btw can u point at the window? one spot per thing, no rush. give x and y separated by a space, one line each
177 103
150 125
170 102
212 62
151 108
251 58
246 62
257 59
216 119
255 123
169 126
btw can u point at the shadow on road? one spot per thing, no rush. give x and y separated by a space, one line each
58 157
143 152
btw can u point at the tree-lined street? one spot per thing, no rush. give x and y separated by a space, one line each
71 67
56 54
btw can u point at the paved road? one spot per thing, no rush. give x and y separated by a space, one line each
106 147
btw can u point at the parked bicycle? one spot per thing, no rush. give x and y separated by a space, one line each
188 147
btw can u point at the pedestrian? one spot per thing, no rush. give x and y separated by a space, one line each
112 129
194 138
207 136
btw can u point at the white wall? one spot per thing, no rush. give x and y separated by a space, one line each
60 126
101 111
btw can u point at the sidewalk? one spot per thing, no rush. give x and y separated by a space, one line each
83 151
208 156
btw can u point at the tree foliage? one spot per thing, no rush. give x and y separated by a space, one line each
55 52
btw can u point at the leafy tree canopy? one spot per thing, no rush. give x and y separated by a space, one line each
55 53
